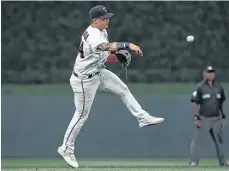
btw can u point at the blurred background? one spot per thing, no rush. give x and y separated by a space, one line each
39 47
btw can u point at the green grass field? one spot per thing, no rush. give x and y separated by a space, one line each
65 89
110 164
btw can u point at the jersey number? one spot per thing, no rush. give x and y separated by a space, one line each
81 50
85 36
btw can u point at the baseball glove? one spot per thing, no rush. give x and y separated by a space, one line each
124 57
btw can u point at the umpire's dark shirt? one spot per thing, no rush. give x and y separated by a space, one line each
209 98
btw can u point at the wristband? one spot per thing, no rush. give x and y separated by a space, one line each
197 118
122 45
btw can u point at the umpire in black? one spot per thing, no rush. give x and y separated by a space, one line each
209 116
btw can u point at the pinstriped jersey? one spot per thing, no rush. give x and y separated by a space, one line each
90 59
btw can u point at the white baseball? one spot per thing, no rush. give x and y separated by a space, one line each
190 39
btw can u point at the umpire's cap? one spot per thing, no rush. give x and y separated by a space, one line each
99 11
209 69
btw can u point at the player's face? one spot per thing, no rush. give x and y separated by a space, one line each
104 23
210 75
101 23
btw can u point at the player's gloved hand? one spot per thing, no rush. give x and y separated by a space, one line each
136 49
124 57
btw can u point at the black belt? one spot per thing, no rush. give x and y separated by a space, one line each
88 76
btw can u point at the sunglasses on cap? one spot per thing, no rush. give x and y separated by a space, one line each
210 71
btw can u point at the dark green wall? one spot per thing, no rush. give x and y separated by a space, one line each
40 39
35 126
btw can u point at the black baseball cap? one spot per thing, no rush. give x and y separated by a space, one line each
99 11
209 69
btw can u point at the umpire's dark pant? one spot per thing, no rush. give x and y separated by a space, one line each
214 126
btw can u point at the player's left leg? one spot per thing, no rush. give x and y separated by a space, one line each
84 93
112 83
217 136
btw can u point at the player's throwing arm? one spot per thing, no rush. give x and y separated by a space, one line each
121 45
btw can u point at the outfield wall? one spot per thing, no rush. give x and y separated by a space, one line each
35 126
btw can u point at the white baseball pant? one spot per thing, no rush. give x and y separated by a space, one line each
84 93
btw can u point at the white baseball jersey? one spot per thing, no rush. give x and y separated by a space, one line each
89 59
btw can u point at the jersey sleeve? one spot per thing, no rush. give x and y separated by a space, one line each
97 39
196 96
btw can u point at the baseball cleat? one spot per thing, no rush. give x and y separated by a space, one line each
225 164
193 164
69 158
150 120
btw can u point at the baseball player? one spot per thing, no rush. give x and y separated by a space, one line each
89 75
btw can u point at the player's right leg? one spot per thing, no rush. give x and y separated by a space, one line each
84 93
112 83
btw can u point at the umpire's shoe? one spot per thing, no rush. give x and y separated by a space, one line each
69 158
193 164
150 120
225 164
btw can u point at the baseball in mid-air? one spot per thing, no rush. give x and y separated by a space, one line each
190 38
